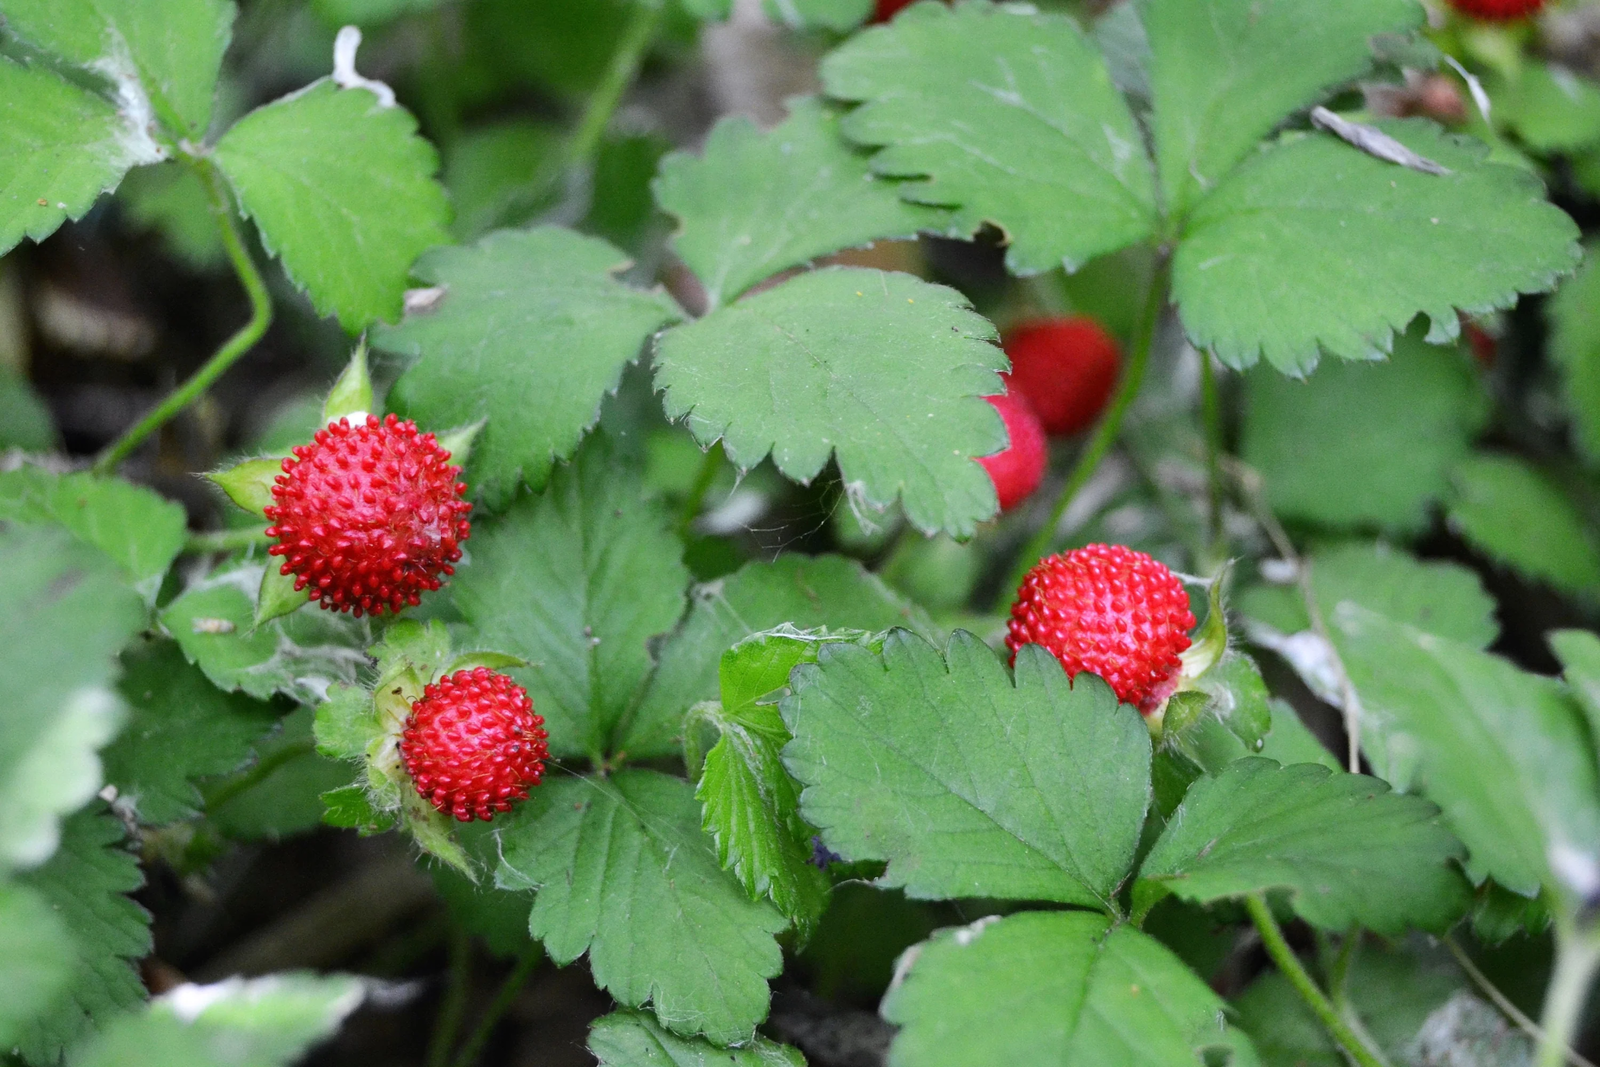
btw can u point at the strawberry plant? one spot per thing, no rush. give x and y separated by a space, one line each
617 589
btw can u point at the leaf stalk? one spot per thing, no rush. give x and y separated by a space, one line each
1577 959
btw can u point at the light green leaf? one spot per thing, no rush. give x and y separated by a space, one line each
575 582
934 763
803 372
1579 652
758 202
85 885
180 727
61 146
806 592
633 1039
64 613
37 948
141 531
625 874
1314 244
1049 989
1347 850
1012 118
1574 317
288 800
342 190
531 331
1223 73
1521 518
1363 444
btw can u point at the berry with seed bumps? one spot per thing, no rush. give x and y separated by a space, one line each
1017 471
473 745
1109 610
368 516
1498 10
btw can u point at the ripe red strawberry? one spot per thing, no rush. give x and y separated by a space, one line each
368 516
1017 471
1066 367
1111 611
1497 10
472 744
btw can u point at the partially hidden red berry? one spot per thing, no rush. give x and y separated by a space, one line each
473 745
367 517
1066 367
1498 10
887 9
1017 471
1109 610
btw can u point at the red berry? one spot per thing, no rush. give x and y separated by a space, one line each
1497 10
1066 367
1017 471
1111 611
368 516
472 744
887 9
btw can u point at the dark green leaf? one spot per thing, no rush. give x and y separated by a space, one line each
288 800
1574 315
1579 652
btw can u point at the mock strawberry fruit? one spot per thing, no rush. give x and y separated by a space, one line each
472 744
368 516
1017 471
1066 367
887 9
1109 610
1498 10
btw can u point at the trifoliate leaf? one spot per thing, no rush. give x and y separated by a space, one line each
575 582
1363 444
64 613
37 948
1051 989
805 592
881 370
288 799
625 874
238 1022
1579 652
1223 73
633 1039
755 203
138 529
1574 316
1347 850
933 763
1503 752
531 331
342 190
61 146
168 51
84 884
1012 118
1519 517
1315 244
180 727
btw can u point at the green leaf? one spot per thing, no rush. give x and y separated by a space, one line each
1503 752
180 727
1521 518
531 331
352 392
170 49
64 613
758 202
249 483
141 531
1363 444
288 800
239 1022
170 199
498 918
85 885
799 372
1291 741
342 190
633 1039
1551 108
1050 989
25 419
806 592
1347 850
60 148
1313 244
37 948
1224 73
625 874
1579 652
1574 317
490 171
934 763
575 582
1012 118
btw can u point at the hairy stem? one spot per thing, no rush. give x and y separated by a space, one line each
234 347
1278 948
1211 414
447 1024
1577 957
225 540
509 989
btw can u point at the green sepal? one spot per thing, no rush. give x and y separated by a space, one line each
278 596
249 484
458 442
345 722
1211 640
434 832
352 393
411 654
495 661
349 809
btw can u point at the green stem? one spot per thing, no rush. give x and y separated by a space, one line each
1288 963
502 1000
624 67
225 357
1211 413
1503 1002
226 790
710 463
225 540
1577 957
448 1022
1106 431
